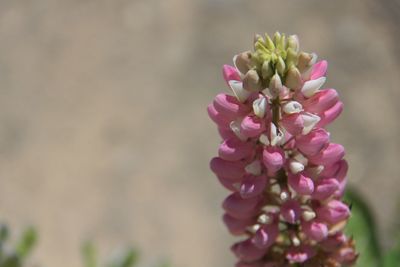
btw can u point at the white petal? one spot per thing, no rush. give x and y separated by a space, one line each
235 127
284 196
296 167
264 219
275 85
259 107
292 107
237 88
254 168
312 86
264 139
310 120
308 215
300 158
315 171
253 228
314 58
234 63
277 137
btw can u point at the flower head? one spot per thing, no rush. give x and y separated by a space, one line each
285 176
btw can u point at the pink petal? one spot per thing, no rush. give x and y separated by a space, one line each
293 123
325 188
229 106
235 149
273 158
233 170
301 184
253 186
321 101
315 230
329 155
247 251
252 126
241 208
237 226
230 73
319 69
330 115
334 212
313 142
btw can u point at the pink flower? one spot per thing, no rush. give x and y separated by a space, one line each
286 178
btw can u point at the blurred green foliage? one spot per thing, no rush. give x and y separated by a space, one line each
15 255
363 228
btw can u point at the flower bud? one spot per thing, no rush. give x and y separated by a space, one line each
229 106
300 254
252 126
291 211
273 158
325 188
247 251
233 149
334 212
315 230
220 119
304 61
233 170
329 155
253 186
293 42
265 236
301 184
243 61
313 142
293 78
237 226
240 208
275 85
280 66
266 70
251 81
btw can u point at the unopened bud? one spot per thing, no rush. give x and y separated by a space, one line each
275 85
251 81
280 66
242 61
266 70
293 43
304 61
293 78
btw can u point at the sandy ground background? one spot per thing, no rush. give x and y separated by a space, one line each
103 125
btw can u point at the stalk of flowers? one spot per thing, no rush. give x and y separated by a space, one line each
285 175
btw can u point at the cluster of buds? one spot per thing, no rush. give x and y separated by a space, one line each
285 176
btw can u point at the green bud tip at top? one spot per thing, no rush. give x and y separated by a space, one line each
279 55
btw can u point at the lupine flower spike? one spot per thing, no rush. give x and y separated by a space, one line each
285 176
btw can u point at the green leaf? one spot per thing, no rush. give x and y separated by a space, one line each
392 258
362 227
89 254
127 258
26 242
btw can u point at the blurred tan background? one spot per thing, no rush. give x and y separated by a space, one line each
103 125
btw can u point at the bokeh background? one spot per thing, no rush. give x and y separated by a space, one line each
103 125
